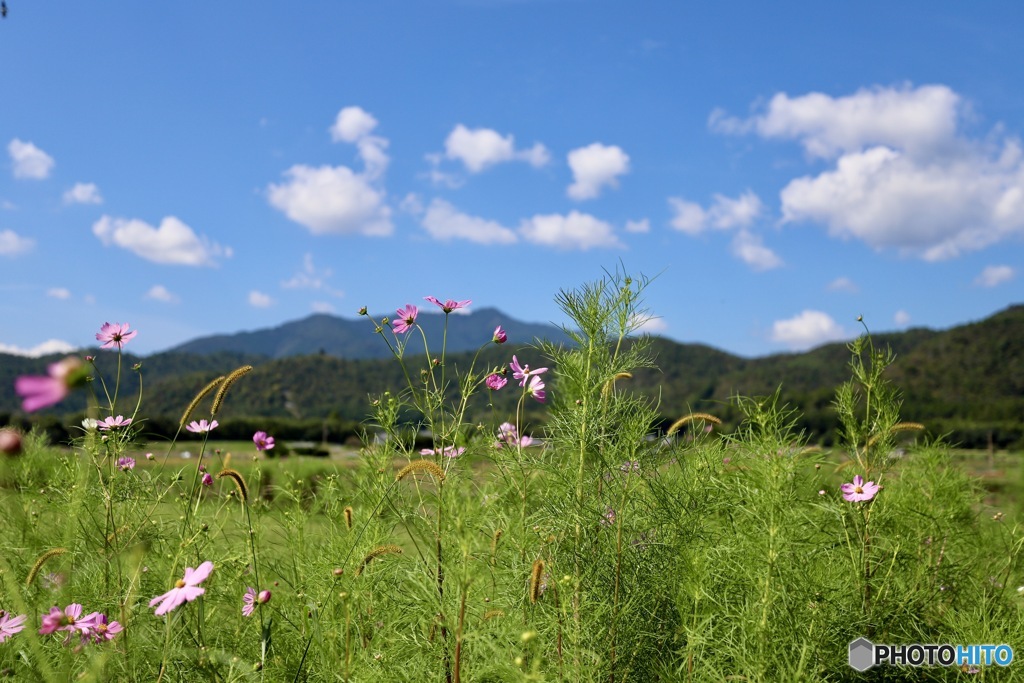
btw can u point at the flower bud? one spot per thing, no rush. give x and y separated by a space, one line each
10 442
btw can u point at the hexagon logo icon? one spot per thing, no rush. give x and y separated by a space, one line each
862 654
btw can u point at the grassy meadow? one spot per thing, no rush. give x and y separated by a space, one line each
590 549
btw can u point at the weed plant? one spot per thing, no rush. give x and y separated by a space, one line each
589 548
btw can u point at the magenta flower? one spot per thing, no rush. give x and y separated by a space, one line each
68 620
262 441
115 335
523 372
126 464
39 392
499 335
102 629
858 490
536 388
630 466
185 589
495 381
10 625
202 426
406 319
447 451
449 305
207 479
251 600
113 423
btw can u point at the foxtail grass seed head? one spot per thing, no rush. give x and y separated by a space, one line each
898 427
40 561
491 614
203 393
536 578
225 385
239 480
686 419
348 517
421 466
377 552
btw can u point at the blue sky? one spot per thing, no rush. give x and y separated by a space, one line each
196 167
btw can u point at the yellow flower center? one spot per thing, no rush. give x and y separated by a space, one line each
180 583
858 489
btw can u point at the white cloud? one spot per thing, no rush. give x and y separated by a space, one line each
43 349
332 200
650 325
322 307
905 175
28 161
444 222
689 217
919 120
595 167
724 213
936 210
993 276
808 329
750 249
901 318
412 203
173 242
83 193
62 293
259 299
640 226
355 125
311 277
480 148
12 244
574 231
161 293
843 284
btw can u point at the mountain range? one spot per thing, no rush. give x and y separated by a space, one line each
967 380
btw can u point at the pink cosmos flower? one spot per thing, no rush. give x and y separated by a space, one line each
68 620
10 625
495 382
207 479
449 305
447 451
608 518
262 441
113 423
509 435
858 490
102 629
185 589
406 319
115 335
39 392
499 335
202 426
126 464
536 388
522 372
252 599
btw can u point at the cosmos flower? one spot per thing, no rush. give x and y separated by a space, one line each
406 319
39 392
10 625
262 441
449 305
536 388
251 600
523 372
112 422
202 426
126 463
499 335
859 490
447 451
186 589
115 334
495 381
